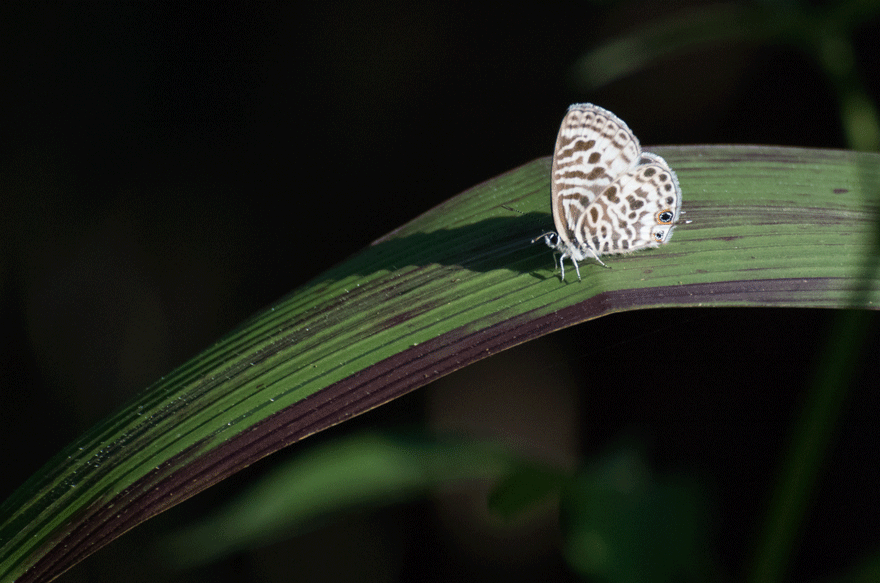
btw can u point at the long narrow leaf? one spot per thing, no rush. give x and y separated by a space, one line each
762 226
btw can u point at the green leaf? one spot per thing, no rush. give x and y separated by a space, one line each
360 471
625 525
524 488
762 227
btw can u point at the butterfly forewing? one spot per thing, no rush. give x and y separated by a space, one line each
592 148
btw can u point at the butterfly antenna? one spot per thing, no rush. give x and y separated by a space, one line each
543 235
504 206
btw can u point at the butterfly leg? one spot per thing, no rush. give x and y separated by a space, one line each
596 257
576 268
562 267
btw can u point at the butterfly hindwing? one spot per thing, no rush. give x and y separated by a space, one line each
636 211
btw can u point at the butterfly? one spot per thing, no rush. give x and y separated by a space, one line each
608 197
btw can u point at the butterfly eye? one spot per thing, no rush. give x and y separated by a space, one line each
664 217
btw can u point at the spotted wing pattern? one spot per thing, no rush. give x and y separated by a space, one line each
608 196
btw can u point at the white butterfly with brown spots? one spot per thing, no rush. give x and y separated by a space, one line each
608 197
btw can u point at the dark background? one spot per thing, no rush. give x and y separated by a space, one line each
168 169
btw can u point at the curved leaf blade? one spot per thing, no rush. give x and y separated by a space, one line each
762 226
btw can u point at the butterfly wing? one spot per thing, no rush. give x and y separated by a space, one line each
592 148
636 211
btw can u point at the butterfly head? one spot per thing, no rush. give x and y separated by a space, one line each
551 238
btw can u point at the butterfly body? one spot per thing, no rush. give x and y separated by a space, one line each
608 197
